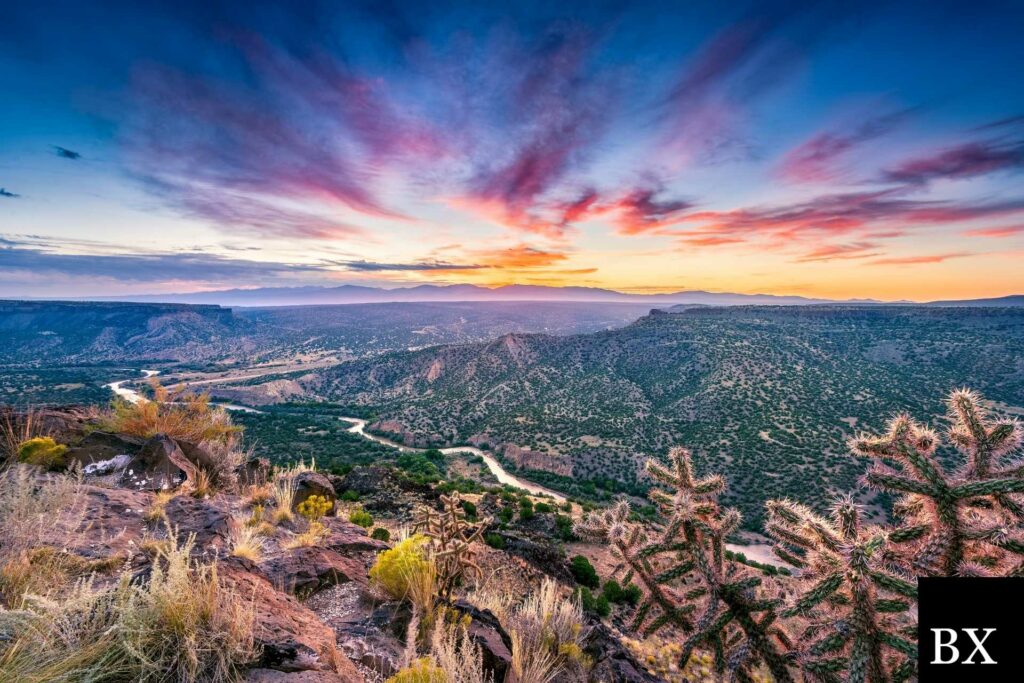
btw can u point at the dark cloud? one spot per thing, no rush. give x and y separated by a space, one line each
372 266
66 153
963 161
149 268
10 195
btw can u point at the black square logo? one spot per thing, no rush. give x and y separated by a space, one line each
970 629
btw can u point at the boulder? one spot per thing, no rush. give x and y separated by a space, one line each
99 447
104 467
112 523
208 520
313 484
156 466
347 538
381 489
306 570
495 644
289 635
612 661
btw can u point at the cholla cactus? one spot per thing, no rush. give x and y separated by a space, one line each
451 540
965 522
737 624
853 606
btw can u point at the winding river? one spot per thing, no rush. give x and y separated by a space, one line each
759 552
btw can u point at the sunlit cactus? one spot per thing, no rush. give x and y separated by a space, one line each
958 522
451 541
853 607
737 624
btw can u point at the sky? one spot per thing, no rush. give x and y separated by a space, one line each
830 149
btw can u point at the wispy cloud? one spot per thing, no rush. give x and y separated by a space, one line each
831 252
66 153
420 266
919 260
4 192
816 159
962 161
999 232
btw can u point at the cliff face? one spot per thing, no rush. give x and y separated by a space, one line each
71 332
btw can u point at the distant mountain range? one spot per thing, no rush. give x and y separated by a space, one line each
355 294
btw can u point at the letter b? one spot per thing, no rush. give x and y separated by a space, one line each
939 645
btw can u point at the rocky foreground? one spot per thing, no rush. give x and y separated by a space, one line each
317 615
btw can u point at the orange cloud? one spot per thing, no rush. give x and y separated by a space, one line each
916 260
1008 231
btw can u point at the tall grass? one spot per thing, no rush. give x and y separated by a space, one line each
181 626
16 429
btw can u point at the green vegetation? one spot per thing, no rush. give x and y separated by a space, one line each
583 572
380 534
768 394
42 451
361 518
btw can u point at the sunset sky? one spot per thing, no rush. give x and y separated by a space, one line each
854 149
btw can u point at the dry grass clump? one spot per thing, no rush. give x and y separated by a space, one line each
452 658
189 417
284 496
157 509
259 494
247 542
183 625
546 635
33 512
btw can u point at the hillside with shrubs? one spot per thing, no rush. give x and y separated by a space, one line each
151 542
768 394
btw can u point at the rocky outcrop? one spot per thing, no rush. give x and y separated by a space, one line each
535 460
612 661
209 521
350 675
253 472
308 484
156 466
289 635
383 489
346 537
98 447
495 644
304 570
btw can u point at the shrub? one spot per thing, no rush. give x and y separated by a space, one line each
380 534
563 526
189 417
314 508
42 451
612 590
423 670
583 572
542 508
361 518
496 541
631 594
506 514
396 568
601 606
469 508
350 496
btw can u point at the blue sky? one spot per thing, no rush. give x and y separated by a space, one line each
827 149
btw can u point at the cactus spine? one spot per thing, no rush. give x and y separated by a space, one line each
971 513
853 605
736 623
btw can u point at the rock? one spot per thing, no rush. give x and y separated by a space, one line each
112 523
495 644
313 484
612 661
199 455
545 556
103 467
272 676
253 472
208 520
381 489
102 447
346 537
373 637
290 636
154 468
308 569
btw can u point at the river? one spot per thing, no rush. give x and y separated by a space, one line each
760 552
